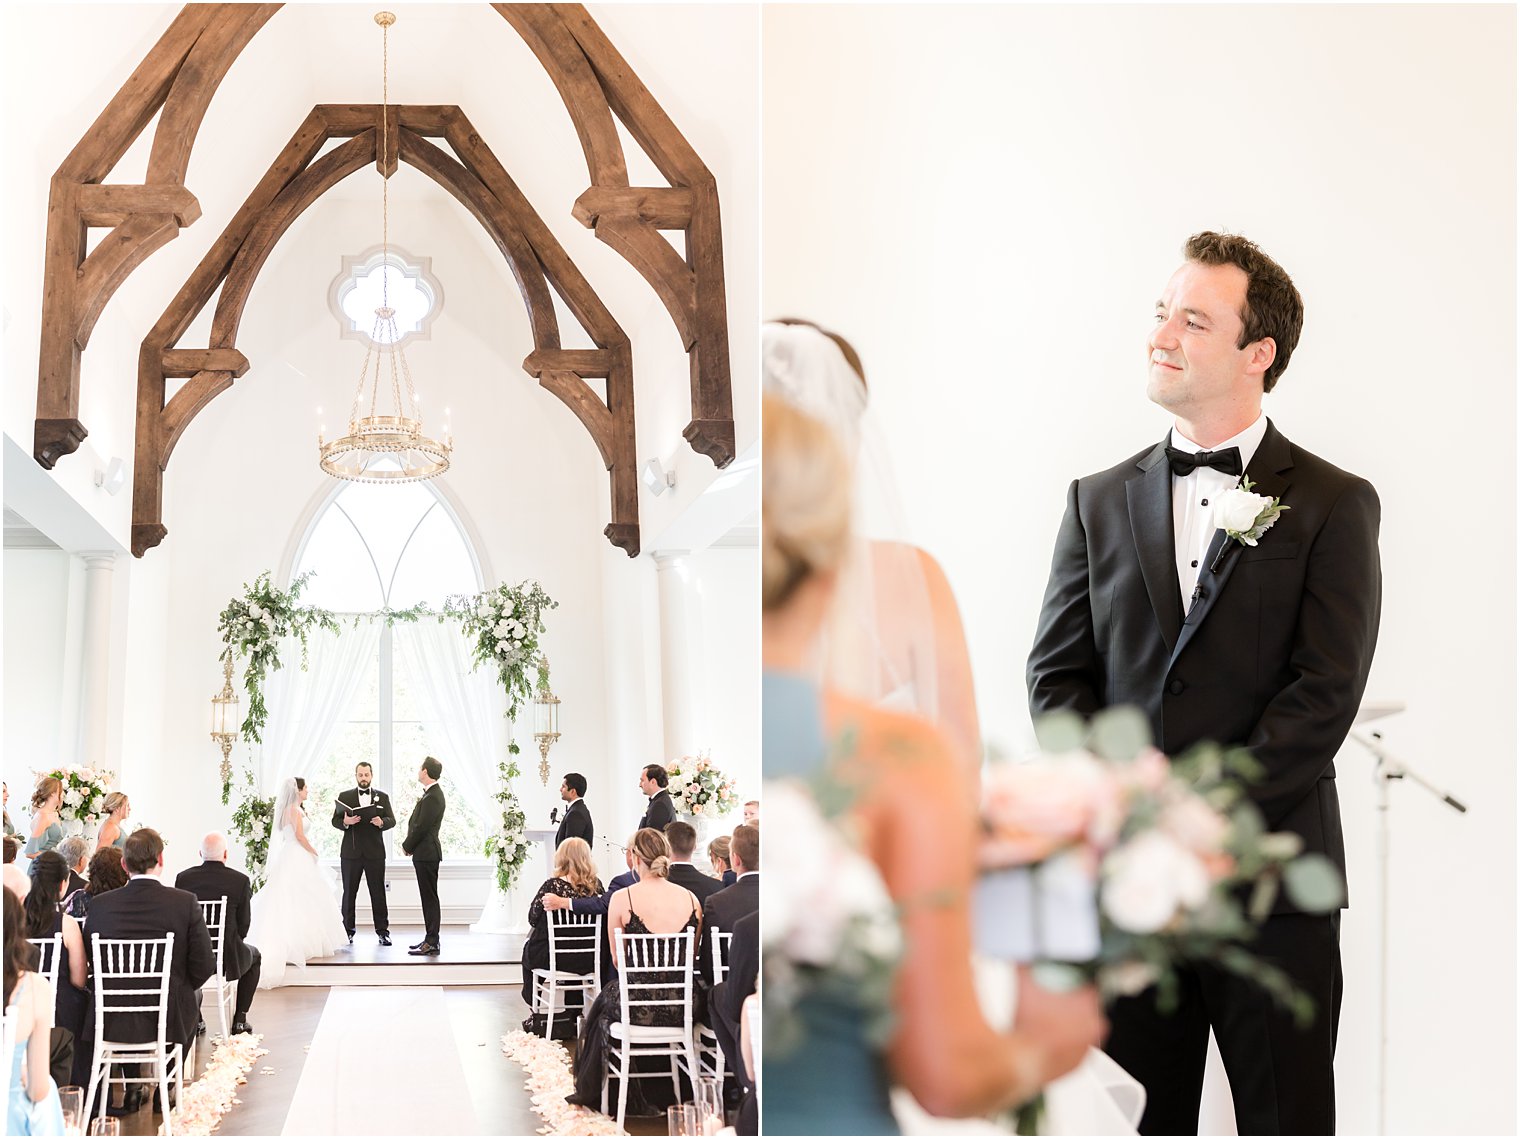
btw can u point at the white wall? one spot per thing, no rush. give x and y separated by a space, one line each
42 677
987 200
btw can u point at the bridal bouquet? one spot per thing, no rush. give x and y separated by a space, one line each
84 792
830 926
1128 864
699 788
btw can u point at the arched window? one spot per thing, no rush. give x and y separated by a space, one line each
373 547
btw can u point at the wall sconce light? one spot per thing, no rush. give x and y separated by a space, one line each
656 477
545 719
225 719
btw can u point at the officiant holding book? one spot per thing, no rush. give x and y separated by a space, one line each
364 814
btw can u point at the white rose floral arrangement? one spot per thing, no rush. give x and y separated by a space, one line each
699 789
84 792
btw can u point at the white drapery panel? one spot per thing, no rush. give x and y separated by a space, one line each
308 709
464 710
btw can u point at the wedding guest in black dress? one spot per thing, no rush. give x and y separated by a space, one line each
722 864
574 877
654 904
50 877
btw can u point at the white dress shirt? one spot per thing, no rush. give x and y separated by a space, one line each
1193 498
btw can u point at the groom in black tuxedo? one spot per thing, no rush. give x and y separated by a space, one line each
364 814
1269 646
423 846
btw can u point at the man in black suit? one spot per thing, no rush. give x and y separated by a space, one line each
146 908
75 850
683 843
1151 603
364 814
725 1006
723 909
212 880
422 845
661 811
577 821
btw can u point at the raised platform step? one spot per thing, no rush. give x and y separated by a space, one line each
466 959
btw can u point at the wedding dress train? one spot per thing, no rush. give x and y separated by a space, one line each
296 915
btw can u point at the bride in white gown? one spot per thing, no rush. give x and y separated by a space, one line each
296 914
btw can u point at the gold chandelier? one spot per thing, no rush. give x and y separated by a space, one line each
385 447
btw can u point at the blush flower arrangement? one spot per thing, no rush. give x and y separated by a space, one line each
84 792
699 789
1104 861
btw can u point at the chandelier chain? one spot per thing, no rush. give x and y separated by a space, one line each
385 150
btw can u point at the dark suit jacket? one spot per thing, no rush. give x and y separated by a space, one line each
75 883
422 828
702 885
726 1004
660 813
1274 654
600 906
722 911
146 908
215 879
363 839
576 824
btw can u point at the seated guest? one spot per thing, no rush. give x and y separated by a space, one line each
105 872
16 880
725 1008
599 905
117 807
146 908
683 844
76 852
47 828
574 877
653 904
717 853
33 1107
50 877
212 880
752 813
726 907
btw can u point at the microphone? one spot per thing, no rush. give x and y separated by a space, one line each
554 814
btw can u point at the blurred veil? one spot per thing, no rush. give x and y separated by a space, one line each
878 644
283 800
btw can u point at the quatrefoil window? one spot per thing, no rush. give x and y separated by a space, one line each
406 281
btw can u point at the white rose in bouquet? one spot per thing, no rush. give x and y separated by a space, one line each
1147 880
1236 511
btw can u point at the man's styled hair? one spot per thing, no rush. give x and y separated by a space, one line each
745 846
657 773
1273 306
433 767
577 783
142 850
364 763
682 838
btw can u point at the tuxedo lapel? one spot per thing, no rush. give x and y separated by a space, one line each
1150 517
1268 472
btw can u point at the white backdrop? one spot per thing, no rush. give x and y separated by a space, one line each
987 201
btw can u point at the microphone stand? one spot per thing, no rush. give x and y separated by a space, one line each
1388 768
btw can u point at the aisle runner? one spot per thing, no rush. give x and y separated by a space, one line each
383 1062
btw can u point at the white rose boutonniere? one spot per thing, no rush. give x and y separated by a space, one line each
1245 516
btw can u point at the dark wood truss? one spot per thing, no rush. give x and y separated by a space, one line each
179 77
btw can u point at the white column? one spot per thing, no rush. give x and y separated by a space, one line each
95 670
680 653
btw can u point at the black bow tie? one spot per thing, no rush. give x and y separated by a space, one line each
1185 463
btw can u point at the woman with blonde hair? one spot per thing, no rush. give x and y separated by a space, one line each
117 807
653 904
574 877
722 863
47 827
914 816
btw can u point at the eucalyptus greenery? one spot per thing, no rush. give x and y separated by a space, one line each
253 823
505 624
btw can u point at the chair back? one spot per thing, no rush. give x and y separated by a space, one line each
718 958
132 976
575 942
655 972
50 955
215 914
